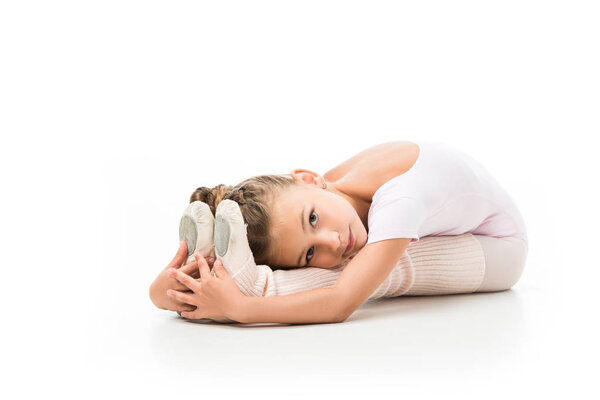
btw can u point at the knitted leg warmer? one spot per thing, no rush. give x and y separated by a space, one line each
446 265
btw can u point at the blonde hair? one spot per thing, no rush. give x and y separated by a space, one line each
255 196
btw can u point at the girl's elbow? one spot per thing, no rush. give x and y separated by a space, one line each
345 310
341 318
344 314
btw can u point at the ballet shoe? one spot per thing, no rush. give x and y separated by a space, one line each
196 227
230 239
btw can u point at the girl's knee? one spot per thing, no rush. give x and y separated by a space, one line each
504 262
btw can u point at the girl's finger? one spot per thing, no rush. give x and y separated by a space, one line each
179 306
181 297
176 285
192 269
203 265
179 256
179 286
192 314
185 279
220 271
189 268
186 307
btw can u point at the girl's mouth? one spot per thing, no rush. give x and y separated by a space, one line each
350 242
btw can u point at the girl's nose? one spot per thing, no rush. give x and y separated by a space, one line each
331 240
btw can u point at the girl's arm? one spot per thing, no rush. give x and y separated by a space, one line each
312 306
359 279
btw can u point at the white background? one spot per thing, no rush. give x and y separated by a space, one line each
113 112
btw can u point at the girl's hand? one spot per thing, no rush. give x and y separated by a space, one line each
158 289
215 297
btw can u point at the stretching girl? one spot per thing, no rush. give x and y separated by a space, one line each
400 218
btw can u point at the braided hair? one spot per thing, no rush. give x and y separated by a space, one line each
255 196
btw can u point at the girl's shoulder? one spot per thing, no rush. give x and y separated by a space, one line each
367 171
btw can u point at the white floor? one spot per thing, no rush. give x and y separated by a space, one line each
112 113
82 321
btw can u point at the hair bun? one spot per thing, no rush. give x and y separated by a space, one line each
210 196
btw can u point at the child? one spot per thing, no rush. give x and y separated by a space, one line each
438 223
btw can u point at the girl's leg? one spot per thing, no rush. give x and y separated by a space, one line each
287 281
504 262
445 265
432 265
435 265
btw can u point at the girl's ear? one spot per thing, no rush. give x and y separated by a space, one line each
306 176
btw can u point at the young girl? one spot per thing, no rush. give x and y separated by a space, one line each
400 218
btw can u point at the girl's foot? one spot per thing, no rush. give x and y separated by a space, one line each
231 242
196 228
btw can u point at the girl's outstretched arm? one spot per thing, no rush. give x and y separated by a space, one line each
217 297
321 305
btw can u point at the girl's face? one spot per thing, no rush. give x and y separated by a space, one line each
312 225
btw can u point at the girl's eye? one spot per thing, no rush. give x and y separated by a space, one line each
311 214
310 253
